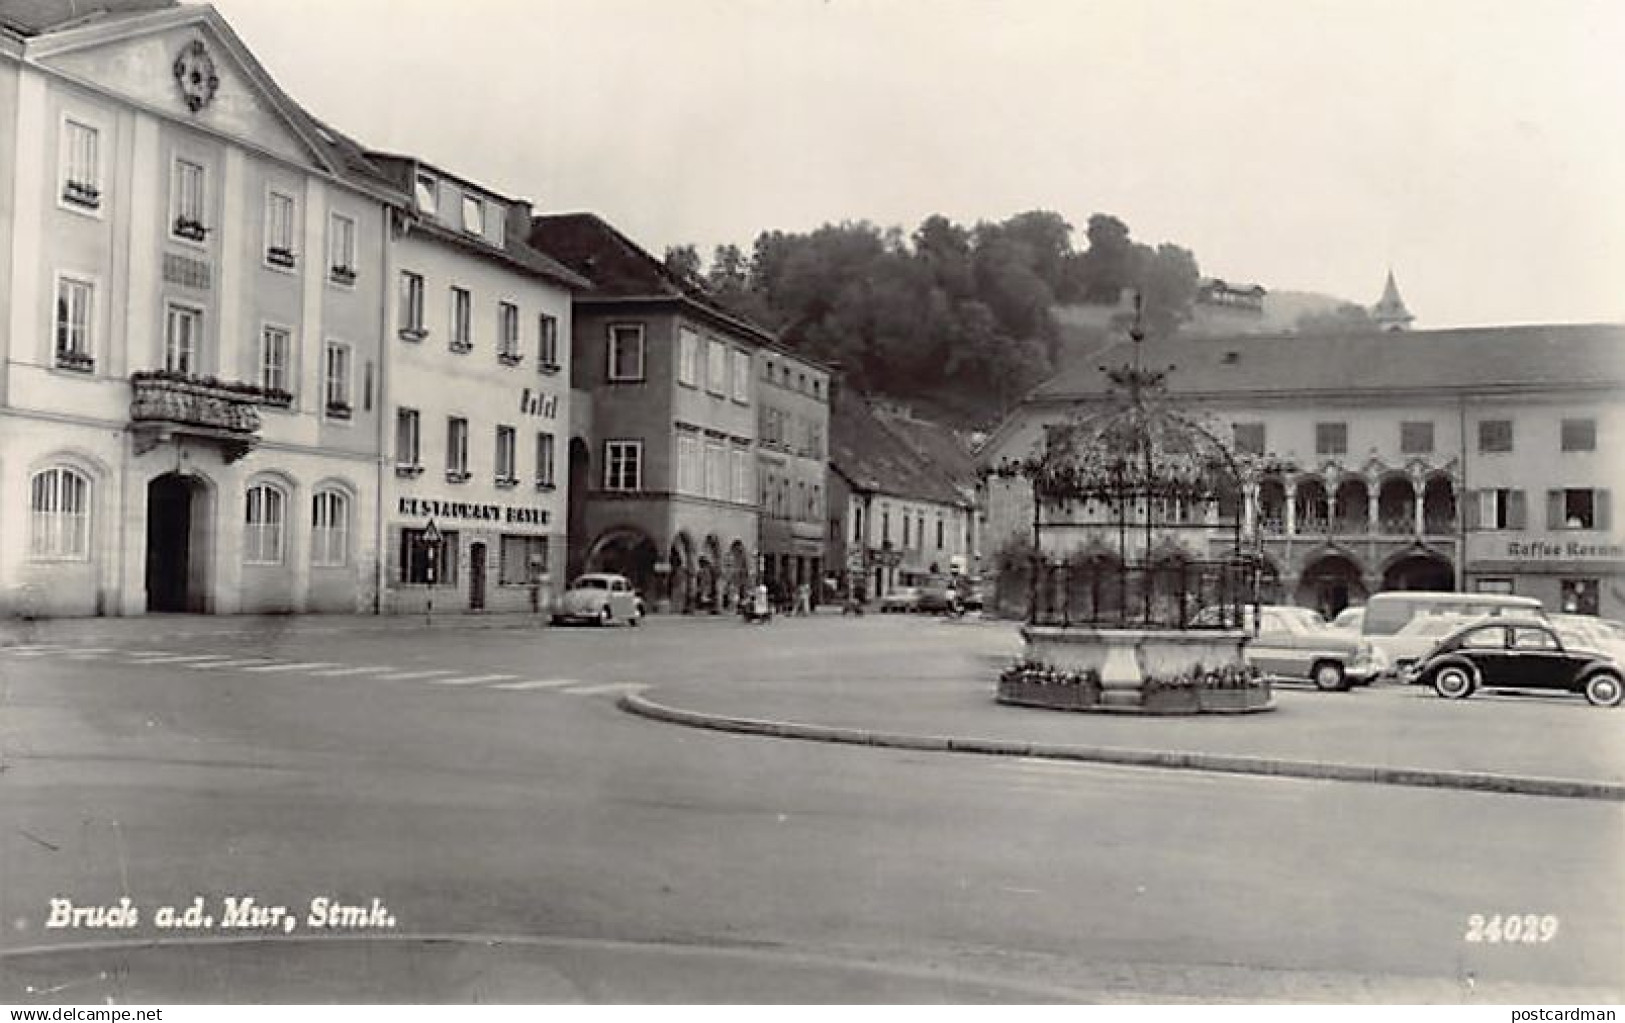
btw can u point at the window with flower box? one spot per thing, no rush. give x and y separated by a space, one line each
544 461
411 310
408 451
187 198
341 255
275 351
75 304
505 455
279 220
337 388
508 334
462 313
456 449
81 166
547 343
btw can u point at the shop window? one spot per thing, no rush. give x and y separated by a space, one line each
523 559
416 564
1579 596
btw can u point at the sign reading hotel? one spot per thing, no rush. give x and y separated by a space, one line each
473 511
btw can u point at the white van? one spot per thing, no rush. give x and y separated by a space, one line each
1396 629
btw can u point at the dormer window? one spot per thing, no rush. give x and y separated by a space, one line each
473 215
427 194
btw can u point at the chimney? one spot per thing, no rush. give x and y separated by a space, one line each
516 228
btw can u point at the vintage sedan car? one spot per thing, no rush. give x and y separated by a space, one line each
602 598
901 600
1296 644
1514 653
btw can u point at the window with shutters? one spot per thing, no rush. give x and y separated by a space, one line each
1577 508
1501 509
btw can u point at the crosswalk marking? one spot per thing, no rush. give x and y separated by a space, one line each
608 687
211 665
185 658
468 680
365 670
401 676
34 651
543 683
306 666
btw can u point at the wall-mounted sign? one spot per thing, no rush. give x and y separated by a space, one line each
543 406
1564 550
475 512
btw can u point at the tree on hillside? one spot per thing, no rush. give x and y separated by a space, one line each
684 262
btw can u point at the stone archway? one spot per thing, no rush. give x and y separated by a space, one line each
708 575
1331 582
1419 569
628 551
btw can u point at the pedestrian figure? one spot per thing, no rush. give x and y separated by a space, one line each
803 599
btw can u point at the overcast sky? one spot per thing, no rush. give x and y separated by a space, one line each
1475 146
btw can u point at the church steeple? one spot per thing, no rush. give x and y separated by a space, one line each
1390 312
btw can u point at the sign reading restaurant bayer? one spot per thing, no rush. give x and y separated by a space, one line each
475 512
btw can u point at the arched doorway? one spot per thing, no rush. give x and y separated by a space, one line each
178 533
738 570
629 552
1330 583
680 579
575 518
1419 570
708 575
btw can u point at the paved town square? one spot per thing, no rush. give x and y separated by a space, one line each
530 840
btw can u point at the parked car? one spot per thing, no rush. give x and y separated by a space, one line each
938 595
602 598
1387 648
1590 633
1517 653
1296 644
1350 619
901 600
971 595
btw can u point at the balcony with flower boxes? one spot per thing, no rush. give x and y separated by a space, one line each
166 405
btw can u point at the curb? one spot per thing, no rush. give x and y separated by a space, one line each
1471 781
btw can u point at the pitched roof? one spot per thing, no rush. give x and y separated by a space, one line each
32 17
873 458
1475 359
935 443
621 269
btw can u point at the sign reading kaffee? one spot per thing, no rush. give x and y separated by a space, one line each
1566 550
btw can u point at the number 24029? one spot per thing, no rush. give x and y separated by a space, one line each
1527 929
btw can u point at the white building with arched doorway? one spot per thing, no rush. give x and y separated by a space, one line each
191 286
